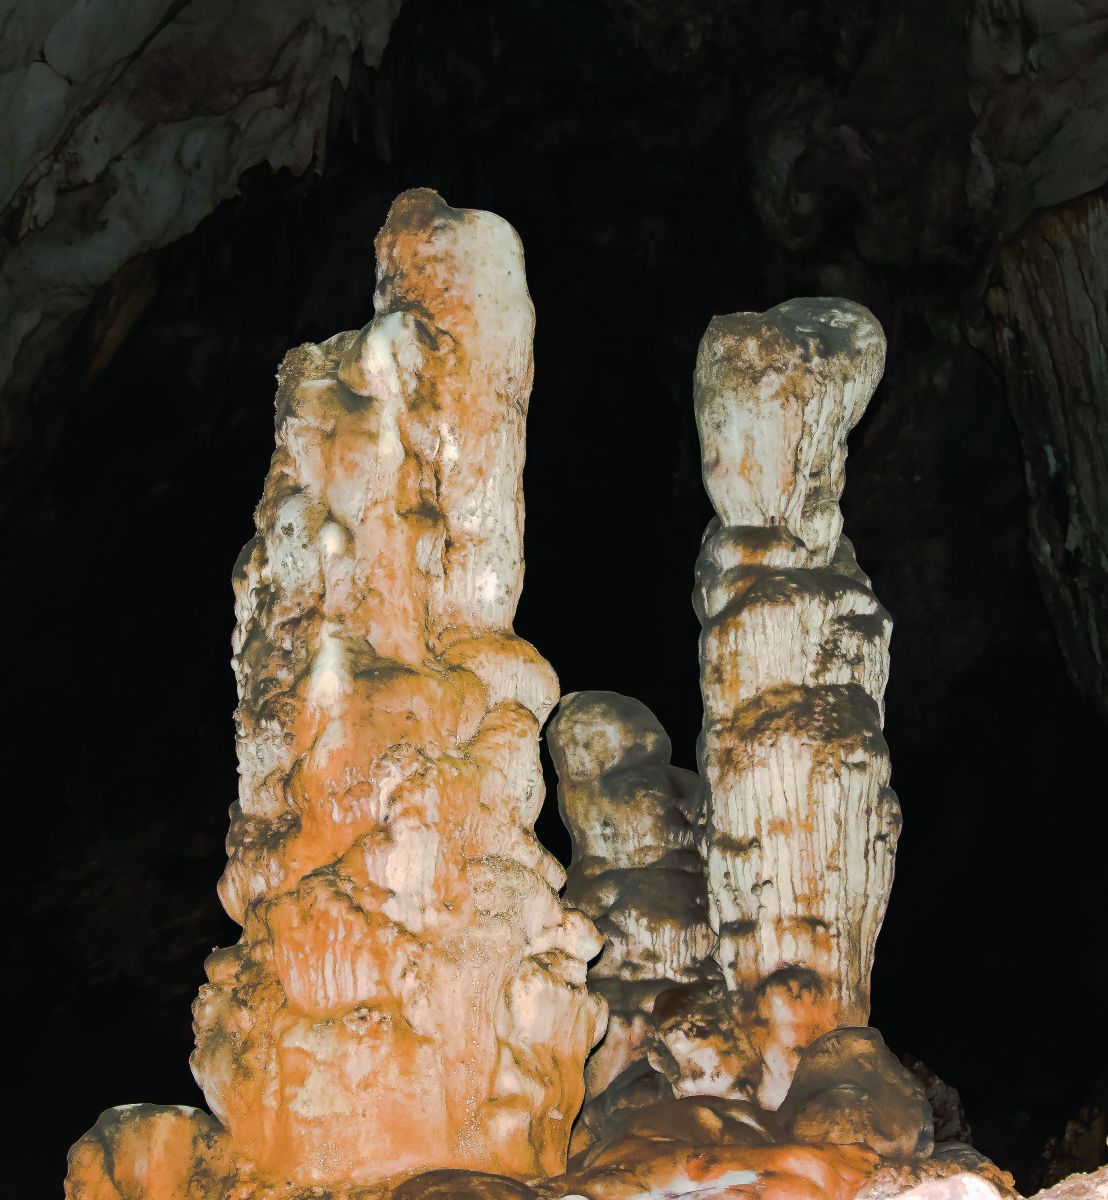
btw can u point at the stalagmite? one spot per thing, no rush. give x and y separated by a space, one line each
406 1014
408 992
801 825
636 870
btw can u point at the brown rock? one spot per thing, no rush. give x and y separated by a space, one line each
461 1185
648 1167
149 1152
849 1089
605 1115
948 1115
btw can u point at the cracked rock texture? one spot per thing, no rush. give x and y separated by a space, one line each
408 991
636 869
127 124
801 824
1050 319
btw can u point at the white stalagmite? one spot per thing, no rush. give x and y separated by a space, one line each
801 825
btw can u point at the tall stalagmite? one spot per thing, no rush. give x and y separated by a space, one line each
408 992
801 824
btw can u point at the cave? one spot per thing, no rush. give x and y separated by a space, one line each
662 164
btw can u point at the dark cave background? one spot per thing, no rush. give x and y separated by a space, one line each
623 163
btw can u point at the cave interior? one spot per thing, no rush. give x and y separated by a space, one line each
622 142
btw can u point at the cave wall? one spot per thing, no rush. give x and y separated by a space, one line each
941 163
126 125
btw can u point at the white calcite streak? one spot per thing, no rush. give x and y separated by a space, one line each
801 825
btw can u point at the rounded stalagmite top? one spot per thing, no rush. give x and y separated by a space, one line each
460 273
776 393
595 732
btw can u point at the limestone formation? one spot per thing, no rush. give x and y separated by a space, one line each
1048 308
127 125
801 825
150 1152
947 1112
960 1185
712 1153
849 1089
636 870
408 992
1088 1185
406 1015
706 1154
703 1043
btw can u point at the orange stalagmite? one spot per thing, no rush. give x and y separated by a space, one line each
409 991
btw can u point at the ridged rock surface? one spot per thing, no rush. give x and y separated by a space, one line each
408 992
801 823
1050 319
636 869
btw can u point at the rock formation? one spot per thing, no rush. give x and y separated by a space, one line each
1050 303
774 1093
405 1016
636 869
801 825
408 992
848 1089
128 126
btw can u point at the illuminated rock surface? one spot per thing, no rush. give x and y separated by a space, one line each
1053 290
128 125
409 990
406 1016
801 823
636 870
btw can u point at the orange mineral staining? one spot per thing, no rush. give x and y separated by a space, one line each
409 991
801 825
636 869
406 1015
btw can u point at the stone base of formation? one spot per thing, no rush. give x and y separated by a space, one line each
423 1004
